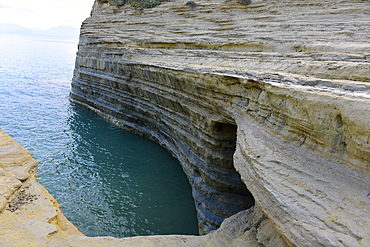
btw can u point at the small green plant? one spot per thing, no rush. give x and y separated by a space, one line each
151 4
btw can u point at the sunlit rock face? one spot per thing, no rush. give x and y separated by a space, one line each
266 102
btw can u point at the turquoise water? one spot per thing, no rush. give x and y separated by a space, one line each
108 181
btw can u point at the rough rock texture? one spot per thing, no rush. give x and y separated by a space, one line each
275 93
286 84
29 215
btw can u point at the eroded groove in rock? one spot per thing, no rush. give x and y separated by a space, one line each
274 93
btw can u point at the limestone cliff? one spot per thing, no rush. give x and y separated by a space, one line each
277 90
265 104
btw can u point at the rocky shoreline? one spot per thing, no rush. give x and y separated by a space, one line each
266 107
29 215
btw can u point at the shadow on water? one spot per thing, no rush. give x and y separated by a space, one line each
108 181
124 184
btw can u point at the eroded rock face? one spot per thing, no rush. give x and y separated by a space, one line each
292 81
273 94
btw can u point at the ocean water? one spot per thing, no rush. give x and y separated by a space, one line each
108 181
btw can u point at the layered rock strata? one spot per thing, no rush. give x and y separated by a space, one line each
278 90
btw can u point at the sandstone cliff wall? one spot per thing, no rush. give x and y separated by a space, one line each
267 102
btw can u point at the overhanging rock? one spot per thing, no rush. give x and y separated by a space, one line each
276 93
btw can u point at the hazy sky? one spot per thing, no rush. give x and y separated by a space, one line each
44 14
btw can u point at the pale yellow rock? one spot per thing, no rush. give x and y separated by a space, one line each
3 203
28 213
22 171
8 185
4 139
292 76
30 219
12 153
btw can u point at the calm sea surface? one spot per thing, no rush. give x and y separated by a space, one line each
108 181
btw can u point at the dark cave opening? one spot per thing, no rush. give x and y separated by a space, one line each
225 135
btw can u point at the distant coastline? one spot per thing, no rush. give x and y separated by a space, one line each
60 32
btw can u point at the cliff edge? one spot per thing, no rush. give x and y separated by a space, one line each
265 105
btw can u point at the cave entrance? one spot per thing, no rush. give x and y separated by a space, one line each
225 135
235 195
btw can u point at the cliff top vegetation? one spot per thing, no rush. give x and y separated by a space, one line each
139 4
145 4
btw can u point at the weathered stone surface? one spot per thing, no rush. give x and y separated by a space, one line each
283 84
28 213
3 203
242 229
274 93
22 171
8 185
